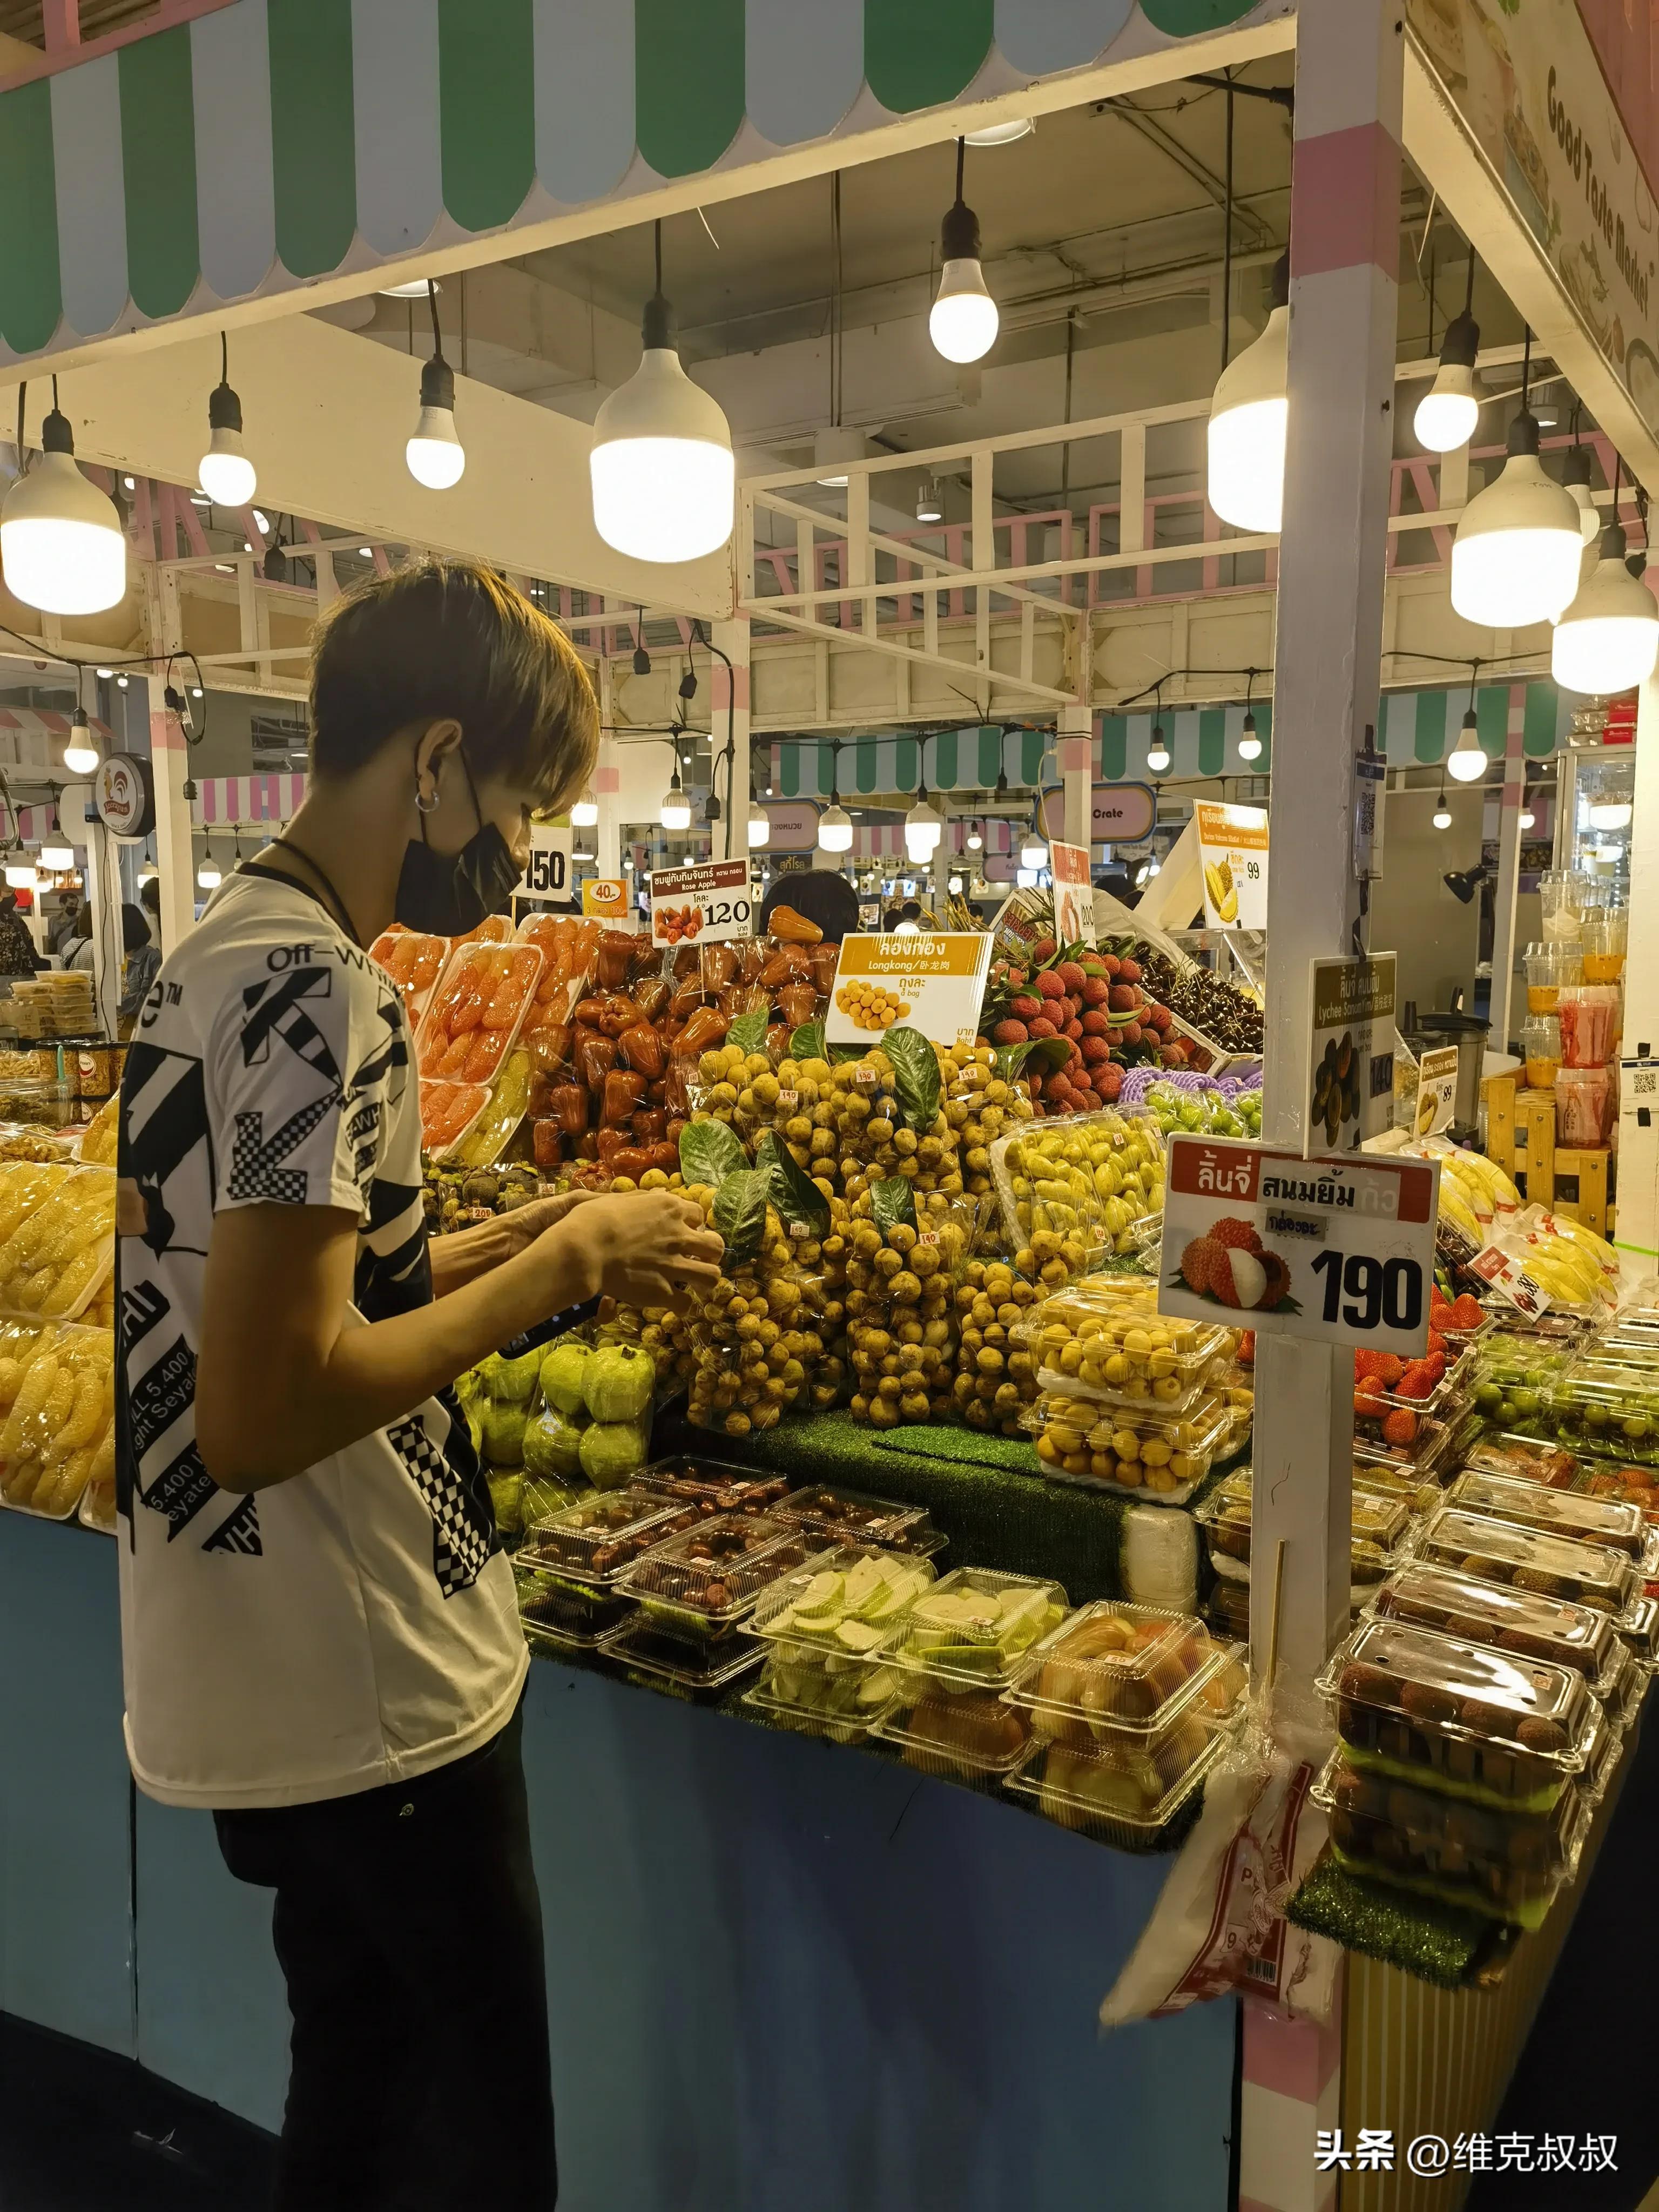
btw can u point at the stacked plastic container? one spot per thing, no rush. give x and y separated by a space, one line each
1574 1004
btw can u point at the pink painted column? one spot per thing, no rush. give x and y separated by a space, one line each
1292 2093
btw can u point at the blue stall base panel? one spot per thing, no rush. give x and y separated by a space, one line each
66 1793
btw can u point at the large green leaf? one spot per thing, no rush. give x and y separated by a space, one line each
709 1151
841 1052
748 1032
795 1194
915 1075
740 1214
807 1043
892 1201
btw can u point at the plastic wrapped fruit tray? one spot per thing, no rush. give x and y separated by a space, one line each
597 1539
821 1691
1610 1407
1427 1450
1559 1513
1158 1457
1516 1621
1116 1792
691 1667
1525 1559
1379 1413
974 1628
566 1615
849 1516
1133 1672
851 1600
1460 1717
1381 1522
1124 1356
706 1580
1508 1866
1527 1459
712 1486
964 1735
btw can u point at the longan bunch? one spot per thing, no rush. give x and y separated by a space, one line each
996 1375
979 1106
797 1102
900 1323
726 1077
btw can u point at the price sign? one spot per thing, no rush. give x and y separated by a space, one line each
547 872
1339 1249
1506 1275
1437 1087
1075 894
702 905
1351 1051
930 983
1233 844
606 896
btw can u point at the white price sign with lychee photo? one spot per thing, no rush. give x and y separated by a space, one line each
1339 1249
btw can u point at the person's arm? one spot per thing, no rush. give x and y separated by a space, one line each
284 1379
465 1254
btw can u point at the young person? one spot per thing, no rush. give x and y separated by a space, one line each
319 1635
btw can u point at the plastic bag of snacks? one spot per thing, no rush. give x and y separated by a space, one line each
59 1434
60 1251
475 1009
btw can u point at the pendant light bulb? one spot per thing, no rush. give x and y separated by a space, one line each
1033 851
1449 411
435 453
207 875
22 875
61 546
1249 741
760 826
81 754
1441 811
663 477
963 320
1576 476
225 472
1518 549
1247 418
834 829
1608 638
923 828
1467 762
586 810
1157 753
1528 818
930 501
1611 814
675 812
56 855
975 838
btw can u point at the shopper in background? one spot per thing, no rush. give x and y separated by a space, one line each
319 1633
142 957
149 897
17 954
65 923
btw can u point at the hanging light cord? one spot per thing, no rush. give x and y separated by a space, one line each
962 155
1526 367
431 302
1227 235
658 230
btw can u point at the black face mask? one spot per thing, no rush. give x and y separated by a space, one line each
449 897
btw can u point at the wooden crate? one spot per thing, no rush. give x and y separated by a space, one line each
1590 1170
1521 1134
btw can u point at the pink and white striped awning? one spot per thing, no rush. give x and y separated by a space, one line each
223 802
40 720
884 841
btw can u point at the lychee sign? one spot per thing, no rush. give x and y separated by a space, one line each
1340 1250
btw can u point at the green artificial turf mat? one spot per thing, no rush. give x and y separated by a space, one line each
1435 1942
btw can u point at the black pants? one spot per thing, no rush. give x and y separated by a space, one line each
409 1930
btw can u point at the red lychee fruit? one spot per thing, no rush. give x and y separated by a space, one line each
1130 971
1049 985
1230 1230
1073 1029
1095 992
1198 1263
1043 1027
1094 1024
1123 998
1070 974
1044 949
1278 1280
1009 1033
1025 1008
1110 963
1107 1080
1173 1055
1095 1047
1129 1034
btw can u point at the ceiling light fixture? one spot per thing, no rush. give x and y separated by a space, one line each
1449 411
1528 818
1247 418
760 826
225 472
661 468
415 287
1033 850
1611 814
834 823
580 850
963 323
81 754
584 810
208 875
641 657
1576 477
975 837
55 853
1466 762
436 455
675 812
1157 752
930 501
1608 638
61 546
1250 737
1442 816
22 875
1516 554
923 827
1002 134
832 447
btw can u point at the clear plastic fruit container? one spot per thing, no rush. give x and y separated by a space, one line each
568 1616
974 1628
1119 1793
963 1734
1516 1621
851 1599
821 1691
1116 1669
1425 1449
1375 1406
1527 1459
1507 1866
849 1516
1072 1188
475 1011
1525 1559
1381 1522
1557 1512
1459 1717
1420 1488
1583 1108
712 1486
1125 1356
1633 1485
701 1670
1609 1408
1631 1341
706 1580
597 1539
1160 1458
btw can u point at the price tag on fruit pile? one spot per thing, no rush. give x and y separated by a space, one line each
930 983
1436 1088
1350 1061
1232 843
1340 1250
1075 894
702 905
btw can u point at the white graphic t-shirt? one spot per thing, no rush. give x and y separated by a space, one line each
356 1624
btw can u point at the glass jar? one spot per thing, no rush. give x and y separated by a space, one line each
1540 1045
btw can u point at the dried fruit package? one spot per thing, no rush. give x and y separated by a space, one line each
570 947
475 1010
448 1111
58 1435
412 958
56 1256
488 1136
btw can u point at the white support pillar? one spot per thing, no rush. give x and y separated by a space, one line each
728 721
1327 660
1074 754
1639 1147
1503 1022
103 894
169 764
945 861
607 782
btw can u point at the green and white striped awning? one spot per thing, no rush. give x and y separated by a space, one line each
1417 729
269 143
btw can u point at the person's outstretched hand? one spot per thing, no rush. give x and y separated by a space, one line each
647 1248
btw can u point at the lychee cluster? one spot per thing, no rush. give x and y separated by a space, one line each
1233 1271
